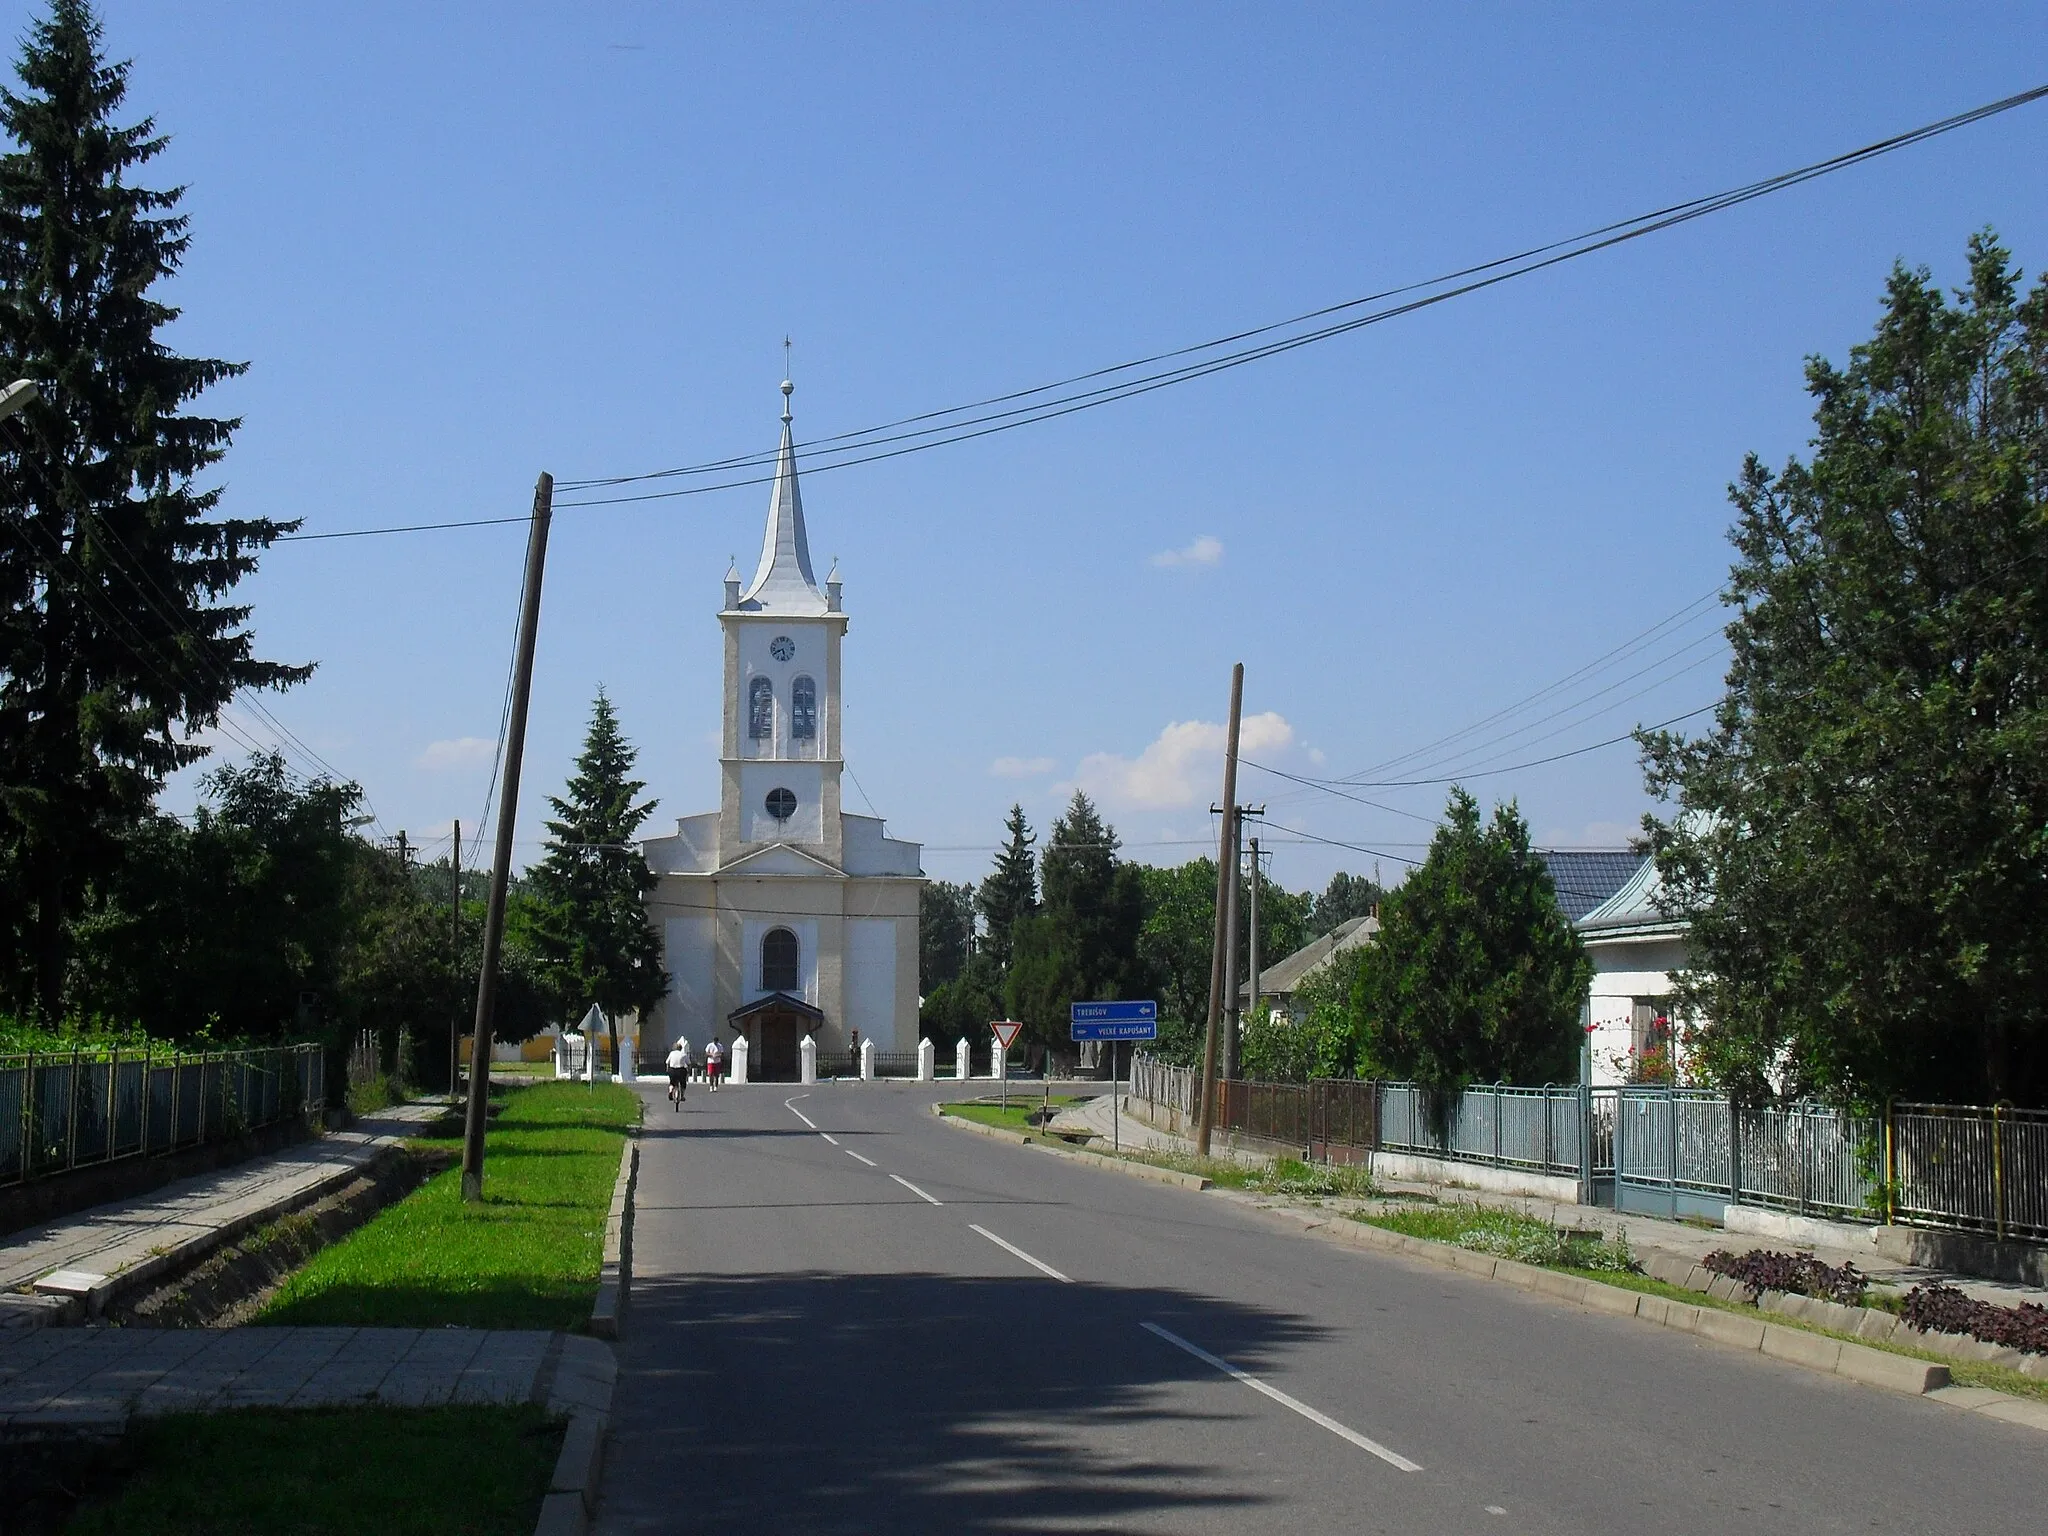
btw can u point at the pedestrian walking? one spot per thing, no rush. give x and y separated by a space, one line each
714 1063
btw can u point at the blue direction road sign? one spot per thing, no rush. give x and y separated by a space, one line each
1135 1019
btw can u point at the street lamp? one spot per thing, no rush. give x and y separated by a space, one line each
16 395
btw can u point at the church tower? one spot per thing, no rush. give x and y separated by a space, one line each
781 915
782 635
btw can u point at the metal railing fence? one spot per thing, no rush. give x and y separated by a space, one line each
896 1064
1666 1149
1984 1170
68 1110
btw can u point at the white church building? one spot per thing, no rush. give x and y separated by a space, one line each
781 914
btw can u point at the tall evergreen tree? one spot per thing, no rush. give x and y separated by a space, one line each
1010 893
945 927
1083 942
1861 849
114 642
585 922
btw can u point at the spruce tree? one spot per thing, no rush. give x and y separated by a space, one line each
1010 893
115 644
584 920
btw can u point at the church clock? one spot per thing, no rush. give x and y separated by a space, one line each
782 647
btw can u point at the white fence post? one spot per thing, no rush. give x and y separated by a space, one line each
927 1061
807 1053
963 1059
867 1060
740 1052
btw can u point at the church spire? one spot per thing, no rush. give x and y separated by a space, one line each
783 582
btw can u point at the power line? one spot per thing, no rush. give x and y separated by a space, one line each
957 425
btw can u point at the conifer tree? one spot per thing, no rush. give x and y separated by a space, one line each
584 921
115 644
1478 974
1010 893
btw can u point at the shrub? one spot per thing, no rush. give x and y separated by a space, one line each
1762 1270
1944 1309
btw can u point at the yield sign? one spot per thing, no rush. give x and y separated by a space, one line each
1006 1031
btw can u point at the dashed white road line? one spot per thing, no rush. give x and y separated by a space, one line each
858 1158
1037 1264
790 1105
1342 1432
914 1189
830 1137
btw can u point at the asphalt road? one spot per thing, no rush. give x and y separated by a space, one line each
847 1325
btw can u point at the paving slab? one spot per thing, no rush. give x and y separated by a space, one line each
83 1378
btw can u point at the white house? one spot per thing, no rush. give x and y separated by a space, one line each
1634 949
781 914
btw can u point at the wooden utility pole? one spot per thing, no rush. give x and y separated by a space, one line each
501 870
1254 965
1228 1071
1205 1114
455 957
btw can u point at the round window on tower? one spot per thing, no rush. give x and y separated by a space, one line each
781 804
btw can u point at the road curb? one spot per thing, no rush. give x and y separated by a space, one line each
1855 1362
1145 1171
1859 1363
585 1373
615 1272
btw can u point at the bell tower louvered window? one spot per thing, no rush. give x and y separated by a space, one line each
803 709
761 709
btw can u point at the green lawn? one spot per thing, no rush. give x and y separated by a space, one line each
526 1258
1016 1117
329 1472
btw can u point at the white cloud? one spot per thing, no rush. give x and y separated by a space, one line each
1021 767
1206 550
461 752
1182 766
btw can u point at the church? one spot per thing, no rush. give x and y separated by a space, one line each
781 914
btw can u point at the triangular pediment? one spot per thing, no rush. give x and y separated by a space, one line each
780 859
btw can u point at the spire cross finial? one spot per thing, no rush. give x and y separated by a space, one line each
787 388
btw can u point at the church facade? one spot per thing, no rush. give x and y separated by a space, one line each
781 914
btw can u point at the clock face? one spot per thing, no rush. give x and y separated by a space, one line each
782 647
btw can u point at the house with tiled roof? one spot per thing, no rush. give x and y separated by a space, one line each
1635 950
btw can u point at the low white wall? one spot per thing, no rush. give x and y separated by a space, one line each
1405 1166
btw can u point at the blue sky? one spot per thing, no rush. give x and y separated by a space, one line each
464 243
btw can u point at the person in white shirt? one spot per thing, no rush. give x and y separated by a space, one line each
714 1063
678 1071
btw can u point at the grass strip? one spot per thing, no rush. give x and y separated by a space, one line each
1446 1224
330 1472
527 1257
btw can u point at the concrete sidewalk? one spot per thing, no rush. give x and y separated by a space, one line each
91 1381
71 1267
1646 1234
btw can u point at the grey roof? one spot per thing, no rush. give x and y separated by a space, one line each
1587 877
1284 977
783 582
1634 906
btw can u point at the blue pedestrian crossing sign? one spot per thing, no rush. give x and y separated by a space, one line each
1132 1019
